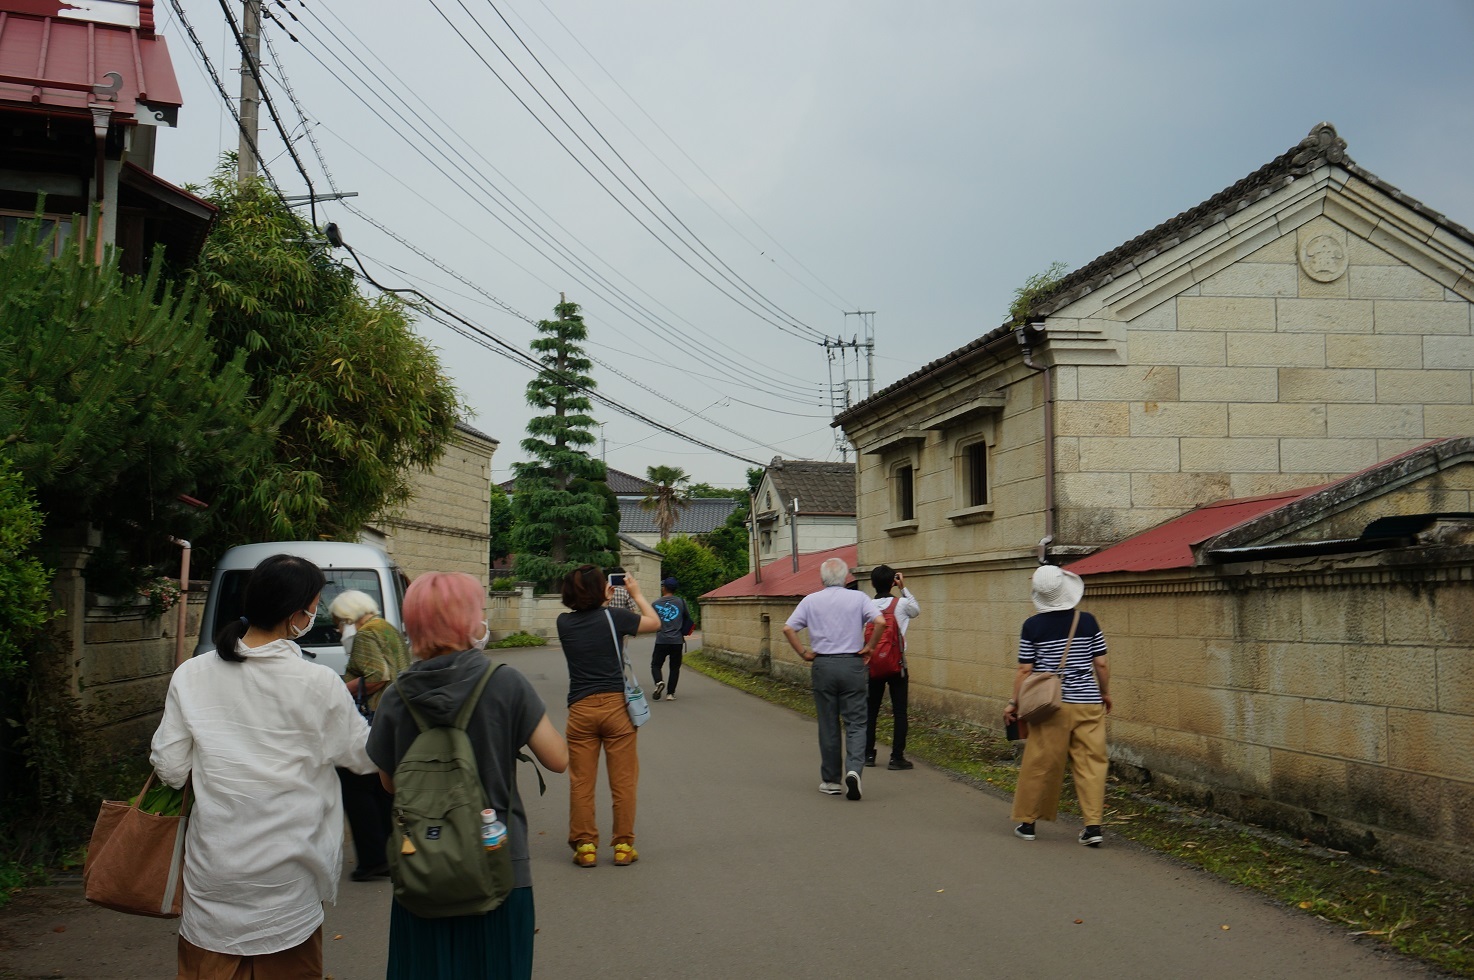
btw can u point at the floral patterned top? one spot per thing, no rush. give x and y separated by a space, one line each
379 654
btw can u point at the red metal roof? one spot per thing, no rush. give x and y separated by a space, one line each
779 578
1170 545
55 62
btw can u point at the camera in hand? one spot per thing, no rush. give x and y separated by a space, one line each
616 578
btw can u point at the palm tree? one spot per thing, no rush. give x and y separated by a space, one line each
667 497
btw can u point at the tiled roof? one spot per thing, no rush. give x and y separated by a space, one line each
821 488
779 578
699 516
1323 146
476 433
627 484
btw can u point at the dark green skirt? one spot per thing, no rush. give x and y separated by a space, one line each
466 947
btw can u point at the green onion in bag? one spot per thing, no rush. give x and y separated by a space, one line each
164 800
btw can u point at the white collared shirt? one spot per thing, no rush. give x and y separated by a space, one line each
907 608
261 740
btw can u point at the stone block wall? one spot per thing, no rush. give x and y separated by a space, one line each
524 611
1337 705
446 527
121 667
1272 373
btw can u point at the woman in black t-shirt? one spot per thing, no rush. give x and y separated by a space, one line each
593 645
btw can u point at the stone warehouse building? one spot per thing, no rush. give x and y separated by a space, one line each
1292 330
446 526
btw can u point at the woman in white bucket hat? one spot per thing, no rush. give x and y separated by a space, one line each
1077 731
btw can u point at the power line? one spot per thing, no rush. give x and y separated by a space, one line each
584 167
411 124
472 331
844 303
224 95
251 63
750 290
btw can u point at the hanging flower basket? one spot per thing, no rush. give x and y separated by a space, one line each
160 595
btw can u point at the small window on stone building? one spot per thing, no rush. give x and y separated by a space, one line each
975 474
904 480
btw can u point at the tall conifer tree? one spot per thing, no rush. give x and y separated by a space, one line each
559 517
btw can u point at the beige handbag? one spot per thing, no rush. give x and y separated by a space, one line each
1040 694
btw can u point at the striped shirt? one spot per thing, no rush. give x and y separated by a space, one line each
1042 642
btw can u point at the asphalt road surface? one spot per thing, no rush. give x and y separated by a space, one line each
747 871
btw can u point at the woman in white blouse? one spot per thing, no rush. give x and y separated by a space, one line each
259 730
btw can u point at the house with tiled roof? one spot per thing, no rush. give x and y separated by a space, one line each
1201 418
805 501
84 89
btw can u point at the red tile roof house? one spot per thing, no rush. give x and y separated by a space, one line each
1298 327
83 92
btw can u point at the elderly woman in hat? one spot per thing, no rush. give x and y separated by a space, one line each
1062 639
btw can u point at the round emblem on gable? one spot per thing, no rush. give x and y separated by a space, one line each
1323 258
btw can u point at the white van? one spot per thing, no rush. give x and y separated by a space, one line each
347 566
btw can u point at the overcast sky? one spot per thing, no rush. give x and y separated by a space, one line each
796 161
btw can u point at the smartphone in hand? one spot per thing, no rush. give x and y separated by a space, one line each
616 578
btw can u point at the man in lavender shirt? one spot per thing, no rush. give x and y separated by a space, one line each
835 618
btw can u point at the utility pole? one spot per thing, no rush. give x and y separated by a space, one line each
839 393
250 93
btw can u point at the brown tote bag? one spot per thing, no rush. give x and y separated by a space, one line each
1039 696
135 860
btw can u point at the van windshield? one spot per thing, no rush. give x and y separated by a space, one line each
323 633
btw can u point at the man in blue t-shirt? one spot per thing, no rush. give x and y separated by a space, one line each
675 626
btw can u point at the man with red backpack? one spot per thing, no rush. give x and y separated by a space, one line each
888 665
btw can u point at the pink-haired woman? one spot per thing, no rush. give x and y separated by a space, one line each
442 615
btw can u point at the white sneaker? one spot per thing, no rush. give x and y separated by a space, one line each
833 789
659 690
670 697
852 785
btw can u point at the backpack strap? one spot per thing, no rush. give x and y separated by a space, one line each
463 716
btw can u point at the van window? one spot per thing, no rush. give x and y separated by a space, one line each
322 634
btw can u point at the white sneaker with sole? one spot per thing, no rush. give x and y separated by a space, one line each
670 697
833 789
659 690
852 785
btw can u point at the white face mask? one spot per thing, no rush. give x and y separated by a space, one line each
485 637
297 633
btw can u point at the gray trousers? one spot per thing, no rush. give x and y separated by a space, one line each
841 685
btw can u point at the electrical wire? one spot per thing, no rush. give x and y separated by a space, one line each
469 175
224 95
251 63
751 291
585 168
844 304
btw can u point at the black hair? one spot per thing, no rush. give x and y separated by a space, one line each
583 588
279 587
883 578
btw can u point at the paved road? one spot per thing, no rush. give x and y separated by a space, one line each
746 870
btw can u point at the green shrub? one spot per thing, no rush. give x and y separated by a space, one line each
25 594
506 584
517 640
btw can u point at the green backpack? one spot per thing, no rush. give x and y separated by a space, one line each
439 866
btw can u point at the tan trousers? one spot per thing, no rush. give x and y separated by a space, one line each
1076 731
601 720
302 962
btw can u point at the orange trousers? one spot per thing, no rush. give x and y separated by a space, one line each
601 721
1076 732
